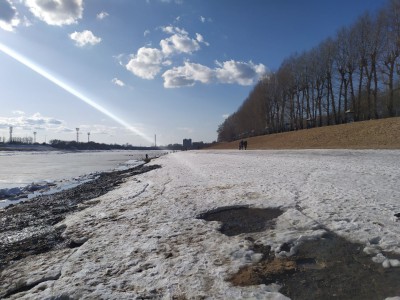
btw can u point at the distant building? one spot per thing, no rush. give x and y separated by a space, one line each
187 143
198 145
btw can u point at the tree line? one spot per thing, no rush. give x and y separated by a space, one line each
73 145
353 76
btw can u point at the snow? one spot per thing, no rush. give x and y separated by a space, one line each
144 240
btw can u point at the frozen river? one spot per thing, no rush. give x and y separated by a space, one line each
19 169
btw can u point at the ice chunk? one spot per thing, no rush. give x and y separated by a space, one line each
371 250
394 262
386 264
379 258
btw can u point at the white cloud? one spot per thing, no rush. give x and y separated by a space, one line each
231 72
225 116
84 38
35 121
118 82
187 75
8 16
239 72
146 32
178 42
102 15
56 12
146 63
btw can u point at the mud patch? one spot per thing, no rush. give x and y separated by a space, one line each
242 219
326 268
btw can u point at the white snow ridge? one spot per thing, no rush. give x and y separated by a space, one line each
144 240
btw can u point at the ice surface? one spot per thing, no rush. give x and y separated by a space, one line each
144 240
27 174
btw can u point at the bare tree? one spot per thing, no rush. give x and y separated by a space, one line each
390 19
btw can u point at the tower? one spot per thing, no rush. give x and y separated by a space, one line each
77 135
88 137
11 130
34 137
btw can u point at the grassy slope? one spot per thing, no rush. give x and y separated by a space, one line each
374 134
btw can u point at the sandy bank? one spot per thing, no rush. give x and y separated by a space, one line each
374 134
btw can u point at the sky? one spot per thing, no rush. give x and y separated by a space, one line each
148 71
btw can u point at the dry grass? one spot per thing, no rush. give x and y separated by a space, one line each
374 134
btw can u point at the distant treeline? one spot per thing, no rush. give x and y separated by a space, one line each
73 145
353 76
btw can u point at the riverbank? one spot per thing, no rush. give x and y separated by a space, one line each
373 134
28 229
171 233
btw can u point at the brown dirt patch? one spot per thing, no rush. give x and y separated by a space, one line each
374 134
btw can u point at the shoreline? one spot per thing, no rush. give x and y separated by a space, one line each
35 217
58 170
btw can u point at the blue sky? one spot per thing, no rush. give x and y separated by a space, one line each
126 70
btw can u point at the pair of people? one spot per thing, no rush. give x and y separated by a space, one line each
243 145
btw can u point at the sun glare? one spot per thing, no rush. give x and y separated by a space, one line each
39 70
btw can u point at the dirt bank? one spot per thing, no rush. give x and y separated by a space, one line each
374 134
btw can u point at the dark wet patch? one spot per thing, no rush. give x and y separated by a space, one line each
76 243
242 219
326 268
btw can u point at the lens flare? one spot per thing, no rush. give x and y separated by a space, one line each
39 70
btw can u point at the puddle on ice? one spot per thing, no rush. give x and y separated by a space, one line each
242 219
327 268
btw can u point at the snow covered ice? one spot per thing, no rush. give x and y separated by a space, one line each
144 239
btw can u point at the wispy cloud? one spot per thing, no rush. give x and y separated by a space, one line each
172 1
186 129
118 82
84 38
204 19
102 15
